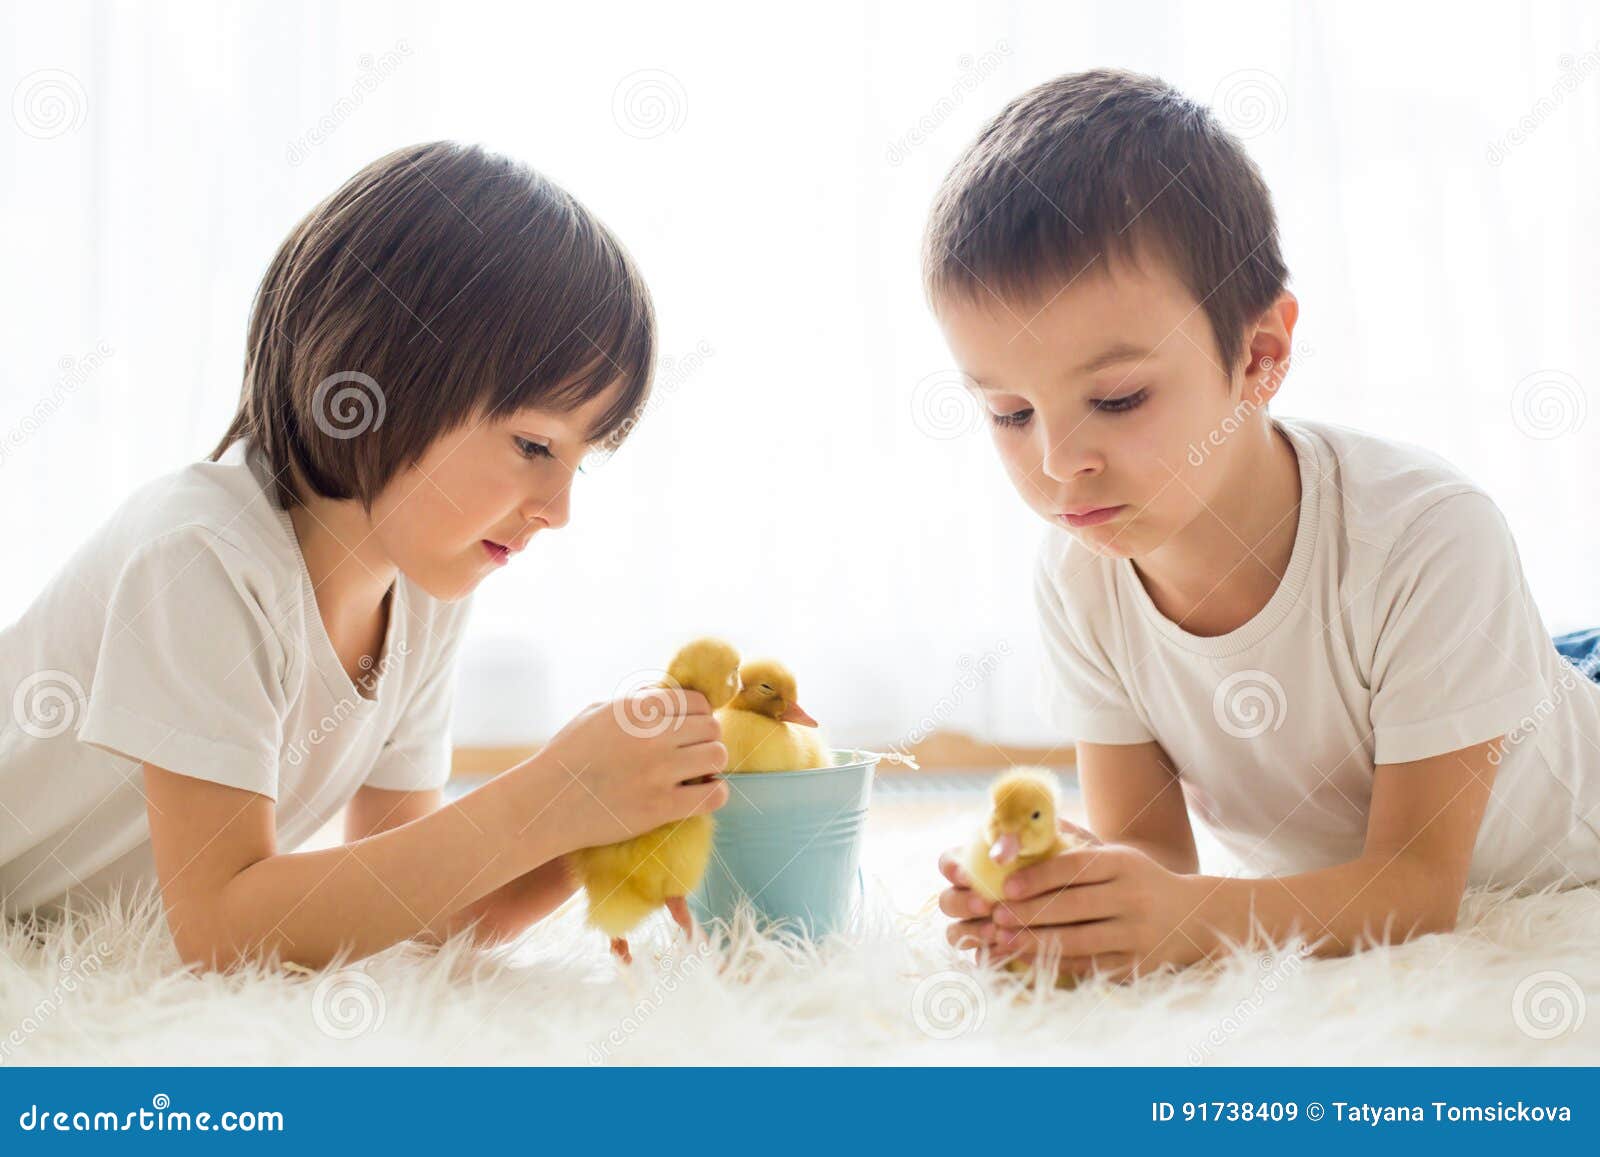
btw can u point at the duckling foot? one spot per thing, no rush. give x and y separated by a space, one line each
678 906
619 945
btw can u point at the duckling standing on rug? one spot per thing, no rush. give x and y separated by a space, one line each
627 881
765 728
1021 831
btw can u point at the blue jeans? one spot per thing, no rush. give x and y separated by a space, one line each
1582 650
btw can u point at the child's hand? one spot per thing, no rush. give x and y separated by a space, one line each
971 909
1110 908
621 768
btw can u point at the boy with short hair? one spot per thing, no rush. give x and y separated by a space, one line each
1318 640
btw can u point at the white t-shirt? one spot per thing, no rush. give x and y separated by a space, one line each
185 633
1402 629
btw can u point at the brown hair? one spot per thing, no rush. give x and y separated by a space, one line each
1103 163
440 282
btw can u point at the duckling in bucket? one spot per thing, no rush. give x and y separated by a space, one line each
764 728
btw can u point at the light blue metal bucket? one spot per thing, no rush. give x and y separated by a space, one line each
788 843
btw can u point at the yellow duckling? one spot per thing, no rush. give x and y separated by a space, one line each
627 881
765 728
1021 831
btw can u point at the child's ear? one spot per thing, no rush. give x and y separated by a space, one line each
1268 349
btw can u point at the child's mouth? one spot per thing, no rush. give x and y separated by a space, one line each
498 554
1092 517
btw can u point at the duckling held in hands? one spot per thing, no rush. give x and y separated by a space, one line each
1021 830
627 881
765 728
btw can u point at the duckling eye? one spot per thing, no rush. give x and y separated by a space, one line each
1038 815
767 687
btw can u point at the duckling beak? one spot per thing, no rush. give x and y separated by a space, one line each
1007 848
797 714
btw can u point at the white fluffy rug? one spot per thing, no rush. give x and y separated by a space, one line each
1511 986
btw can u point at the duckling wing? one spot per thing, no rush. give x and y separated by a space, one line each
682 853
811 749
756 743
750 740
627 881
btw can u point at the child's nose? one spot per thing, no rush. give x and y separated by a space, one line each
1068 457
552 510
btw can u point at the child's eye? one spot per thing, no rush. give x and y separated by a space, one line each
531 449
1015 418
1121 405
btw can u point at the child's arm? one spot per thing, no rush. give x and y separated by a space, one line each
1132 796
511 909
1118 907
1411 874
230 897
502 914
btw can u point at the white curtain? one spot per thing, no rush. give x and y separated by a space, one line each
808 482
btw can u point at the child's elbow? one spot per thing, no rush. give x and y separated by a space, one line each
1440 903
202 955
1435 897
204 958
209 950
1440 917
